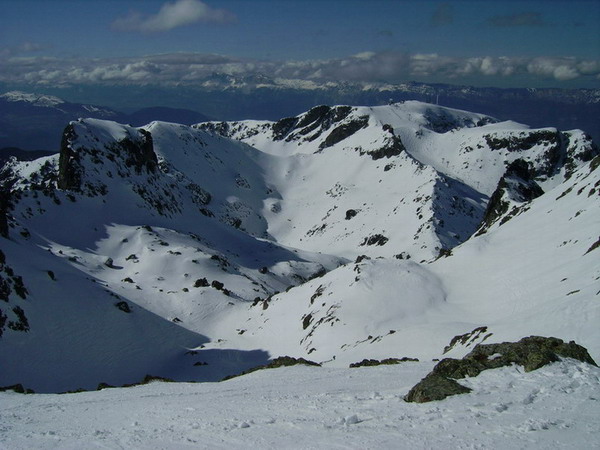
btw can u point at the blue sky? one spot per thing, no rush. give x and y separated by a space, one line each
502 43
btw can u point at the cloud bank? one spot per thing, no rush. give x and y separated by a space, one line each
368 67
173 15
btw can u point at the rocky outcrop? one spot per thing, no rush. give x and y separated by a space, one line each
69 165
281 361
531 352
383 362
516 187
344 131
136 154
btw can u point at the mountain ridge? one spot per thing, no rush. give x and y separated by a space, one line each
337 235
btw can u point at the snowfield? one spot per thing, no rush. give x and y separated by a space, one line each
555 407
342 234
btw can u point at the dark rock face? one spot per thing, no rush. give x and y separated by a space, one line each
517 185
283 127
344 131
136 154
375 239
523 141
4 203
69 166
11 283
123 306
531 352
318 120
465 339
351 213
392 147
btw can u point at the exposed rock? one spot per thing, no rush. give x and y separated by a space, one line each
69 166
283 127
146 380
344 131
217 285
517 186
351 213
201 282
375 239
137 154
434 387
393 147
306 320
18 388
4 206
467 338
21 324
281 361
123 306
531 352
385 362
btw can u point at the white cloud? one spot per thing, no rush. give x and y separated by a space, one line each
387 67
173 15
563 69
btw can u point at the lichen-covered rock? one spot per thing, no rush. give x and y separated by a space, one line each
531 352
434 387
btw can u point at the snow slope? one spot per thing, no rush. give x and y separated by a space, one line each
554 407
176 251
535 274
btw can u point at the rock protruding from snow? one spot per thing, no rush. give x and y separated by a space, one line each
516 187
532 353
90 142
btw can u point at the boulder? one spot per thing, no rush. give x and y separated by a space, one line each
530 352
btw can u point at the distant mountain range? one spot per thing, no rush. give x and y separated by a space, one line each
36 121
31 121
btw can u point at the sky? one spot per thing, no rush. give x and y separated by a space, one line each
487 43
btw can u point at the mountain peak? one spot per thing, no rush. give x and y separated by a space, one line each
35 99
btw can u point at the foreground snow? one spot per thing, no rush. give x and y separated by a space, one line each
554 407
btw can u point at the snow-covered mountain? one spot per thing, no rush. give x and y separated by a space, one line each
340 234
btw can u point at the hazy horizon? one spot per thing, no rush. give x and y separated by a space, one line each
65 44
